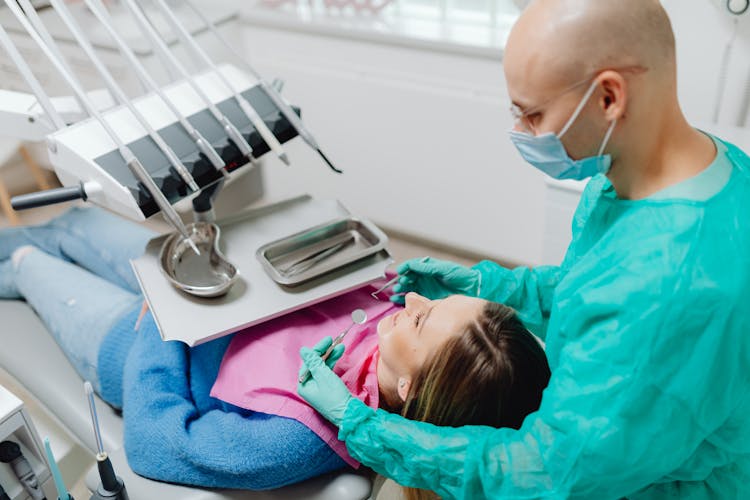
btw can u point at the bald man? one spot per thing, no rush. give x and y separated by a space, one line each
646 321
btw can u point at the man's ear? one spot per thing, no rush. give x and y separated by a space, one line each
403 386
615 98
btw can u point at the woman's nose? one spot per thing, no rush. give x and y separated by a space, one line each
414 301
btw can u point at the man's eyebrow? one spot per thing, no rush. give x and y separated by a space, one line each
421 323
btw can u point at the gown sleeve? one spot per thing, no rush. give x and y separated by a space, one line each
631 400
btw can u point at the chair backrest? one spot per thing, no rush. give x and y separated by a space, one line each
27 346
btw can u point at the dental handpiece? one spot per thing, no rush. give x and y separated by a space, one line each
277 99
234 135
111 486
203 145
131 161
247 109
10 453
117 91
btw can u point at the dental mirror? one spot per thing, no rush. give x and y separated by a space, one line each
359 316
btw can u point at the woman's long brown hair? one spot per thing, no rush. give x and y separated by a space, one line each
493 374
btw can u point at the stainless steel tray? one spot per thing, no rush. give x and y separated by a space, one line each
313 252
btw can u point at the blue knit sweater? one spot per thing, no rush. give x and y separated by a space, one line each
174 431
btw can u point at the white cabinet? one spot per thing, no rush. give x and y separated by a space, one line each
16 426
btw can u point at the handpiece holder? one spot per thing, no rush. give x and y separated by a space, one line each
111 486
203 210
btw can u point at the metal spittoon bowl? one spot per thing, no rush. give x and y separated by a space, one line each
209 274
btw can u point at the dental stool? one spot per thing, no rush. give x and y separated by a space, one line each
31 356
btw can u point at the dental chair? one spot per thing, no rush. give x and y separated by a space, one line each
30 355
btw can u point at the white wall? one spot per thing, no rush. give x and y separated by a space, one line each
702 29
422 135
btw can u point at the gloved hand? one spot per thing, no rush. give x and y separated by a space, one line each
324 390
436 279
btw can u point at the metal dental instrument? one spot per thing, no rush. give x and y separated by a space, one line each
359 316
49 109
111 486
203 145
308 261
162 48
273 94
94 418
391 282
246 107
119 94
131 160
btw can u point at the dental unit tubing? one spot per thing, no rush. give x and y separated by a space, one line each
272 93
123 153
203 145
67 18
28 76
130 159
201 55
161 47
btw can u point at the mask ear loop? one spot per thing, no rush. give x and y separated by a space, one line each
581 104
607 136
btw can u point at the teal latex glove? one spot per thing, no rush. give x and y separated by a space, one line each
324 390
321 347
436 279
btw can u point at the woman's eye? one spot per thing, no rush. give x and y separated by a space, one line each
417 318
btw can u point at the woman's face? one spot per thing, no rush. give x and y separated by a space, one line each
409 337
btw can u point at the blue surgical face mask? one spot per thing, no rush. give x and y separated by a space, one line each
547 153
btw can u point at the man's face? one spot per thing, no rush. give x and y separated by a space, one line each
546 90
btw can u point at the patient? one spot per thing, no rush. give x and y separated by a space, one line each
226 413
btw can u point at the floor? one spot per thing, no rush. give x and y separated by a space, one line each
401 248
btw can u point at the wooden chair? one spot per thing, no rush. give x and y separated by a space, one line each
8 149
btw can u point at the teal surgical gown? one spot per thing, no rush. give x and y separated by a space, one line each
647 329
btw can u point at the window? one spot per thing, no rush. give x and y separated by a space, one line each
477 23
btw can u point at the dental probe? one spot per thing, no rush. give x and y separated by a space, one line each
118 93
390 282
359 316
162 48
135 166
111 486
272 93
246 107
203 145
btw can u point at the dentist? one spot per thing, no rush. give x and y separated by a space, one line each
646 320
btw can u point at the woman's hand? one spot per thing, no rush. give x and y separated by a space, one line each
435 279
323 389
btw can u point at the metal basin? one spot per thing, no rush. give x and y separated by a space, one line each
209 274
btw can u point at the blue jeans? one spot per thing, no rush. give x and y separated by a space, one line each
81 282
